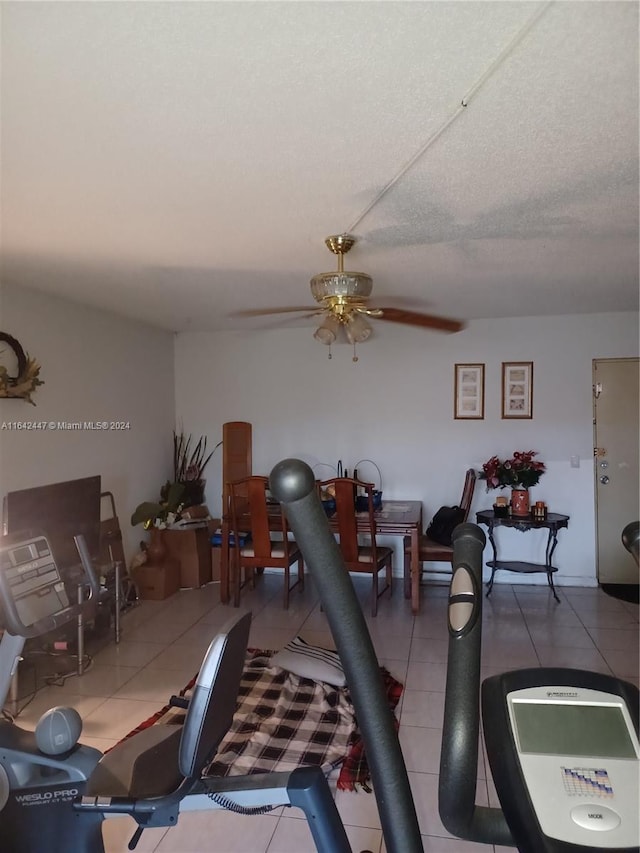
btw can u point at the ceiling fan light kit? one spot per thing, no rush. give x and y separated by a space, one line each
343 295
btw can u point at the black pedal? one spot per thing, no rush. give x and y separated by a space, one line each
133 843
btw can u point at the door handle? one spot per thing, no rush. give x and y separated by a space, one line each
604 480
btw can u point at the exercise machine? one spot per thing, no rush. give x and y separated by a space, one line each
72 788
55 792
562 744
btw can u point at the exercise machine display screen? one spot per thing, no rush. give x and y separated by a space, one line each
580 759
31 578
572 729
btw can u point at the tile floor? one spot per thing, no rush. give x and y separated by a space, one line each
163 643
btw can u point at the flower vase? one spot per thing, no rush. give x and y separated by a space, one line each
520 502
156 547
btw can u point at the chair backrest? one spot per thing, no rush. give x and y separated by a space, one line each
250 513
236 456
345 489
467 492
214 696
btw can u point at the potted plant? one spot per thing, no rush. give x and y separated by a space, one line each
186 489
520 472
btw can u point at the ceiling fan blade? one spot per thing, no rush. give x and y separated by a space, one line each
287 321
261 312
426 321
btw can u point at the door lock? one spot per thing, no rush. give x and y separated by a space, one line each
604 480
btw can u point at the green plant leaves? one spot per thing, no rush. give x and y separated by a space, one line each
146 511
149 511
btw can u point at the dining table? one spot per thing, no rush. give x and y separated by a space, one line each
393 518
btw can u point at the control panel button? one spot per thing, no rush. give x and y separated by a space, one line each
596 817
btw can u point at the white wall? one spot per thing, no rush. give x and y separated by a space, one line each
96 367
395 406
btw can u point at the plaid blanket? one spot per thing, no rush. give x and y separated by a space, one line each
283 721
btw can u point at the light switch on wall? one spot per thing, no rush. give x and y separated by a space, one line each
575 461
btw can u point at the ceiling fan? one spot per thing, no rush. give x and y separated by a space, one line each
343 297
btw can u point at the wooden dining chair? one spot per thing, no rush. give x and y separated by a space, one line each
434 552
267 544
371 558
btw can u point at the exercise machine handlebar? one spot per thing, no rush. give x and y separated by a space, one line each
459 757
292 482
631 539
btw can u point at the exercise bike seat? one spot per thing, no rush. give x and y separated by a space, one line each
155 768
143 766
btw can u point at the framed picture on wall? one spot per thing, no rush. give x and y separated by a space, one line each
517 389
469 392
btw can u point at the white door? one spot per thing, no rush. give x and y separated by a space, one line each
616 438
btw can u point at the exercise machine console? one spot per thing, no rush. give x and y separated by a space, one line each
562 744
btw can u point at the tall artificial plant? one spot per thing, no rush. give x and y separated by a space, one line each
189 460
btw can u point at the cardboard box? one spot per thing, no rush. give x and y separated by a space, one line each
158 581
192 549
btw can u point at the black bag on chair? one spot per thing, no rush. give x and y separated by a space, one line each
443 524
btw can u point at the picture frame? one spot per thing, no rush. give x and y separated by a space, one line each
517 390
468 397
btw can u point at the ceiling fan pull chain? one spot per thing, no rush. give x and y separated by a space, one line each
355 357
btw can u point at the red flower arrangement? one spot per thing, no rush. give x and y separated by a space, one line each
521 471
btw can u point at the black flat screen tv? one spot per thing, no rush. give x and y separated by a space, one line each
62 511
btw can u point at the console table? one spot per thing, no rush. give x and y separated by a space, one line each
553 522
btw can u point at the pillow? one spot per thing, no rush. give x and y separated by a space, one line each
310 662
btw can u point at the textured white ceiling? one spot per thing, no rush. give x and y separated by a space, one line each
181 161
